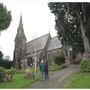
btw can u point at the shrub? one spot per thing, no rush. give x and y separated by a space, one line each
2 73
85 65
7 64
1 55
59 59
6 75
11 72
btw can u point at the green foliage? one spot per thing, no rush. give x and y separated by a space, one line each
19 82
5 17
11 71
2 73
85 65
1 55
79 80
6 63
59 59
20 71
67 24
55 67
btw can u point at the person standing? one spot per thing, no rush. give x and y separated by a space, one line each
46 71
42 70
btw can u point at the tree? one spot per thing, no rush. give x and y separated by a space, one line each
1 58
70 24
1 55
5 17
80 9
59 59
7 64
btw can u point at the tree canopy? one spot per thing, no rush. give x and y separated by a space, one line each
71 23
5 17
1 55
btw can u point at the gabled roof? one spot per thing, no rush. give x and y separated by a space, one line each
38 43
54 44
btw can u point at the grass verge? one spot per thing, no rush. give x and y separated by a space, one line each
79 80
18 81
55 67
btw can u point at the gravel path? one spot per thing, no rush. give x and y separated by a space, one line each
57 79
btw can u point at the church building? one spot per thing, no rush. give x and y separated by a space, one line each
43 47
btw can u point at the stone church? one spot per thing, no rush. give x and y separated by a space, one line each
43 47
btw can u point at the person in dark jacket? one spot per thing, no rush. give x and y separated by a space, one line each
46 71
42 70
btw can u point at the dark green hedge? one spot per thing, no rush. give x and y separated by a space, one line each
6 64
2 73
59 59
85 65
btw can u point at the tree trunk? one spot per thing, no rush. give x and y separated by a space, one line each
84 38
68 52
85 41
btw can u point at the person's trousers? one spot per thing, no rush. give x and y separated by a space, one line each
46 76
42 75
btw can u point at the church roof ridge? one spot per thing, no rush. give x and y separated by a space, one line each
38 37
54 43
38 43
54 37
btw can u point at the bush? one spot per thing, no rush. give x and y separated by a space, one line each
6 64
6 75
2 73
11 72
85 65
59 59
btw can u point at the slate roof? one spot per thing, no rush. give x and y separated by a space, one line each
38 44
54 44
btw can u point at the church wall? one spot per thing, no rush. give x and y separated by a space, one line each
31 57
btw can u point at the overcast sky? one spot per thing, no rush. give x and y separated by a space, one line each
37 21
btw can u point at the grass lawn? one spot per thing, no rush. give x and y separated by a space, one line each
18 82
79 80
55 67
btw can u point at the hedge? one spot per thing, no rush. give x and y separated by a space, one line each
59 59
85 65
